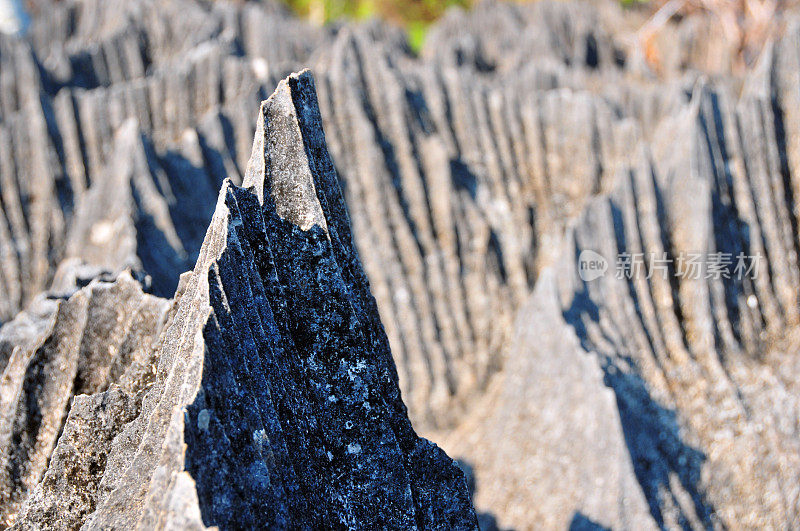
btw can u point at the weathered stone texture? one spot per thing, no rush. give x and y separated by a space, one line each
474 174
97 338
267 395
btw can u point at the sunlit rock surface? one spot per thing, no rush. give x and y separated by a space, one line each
474 174
270 396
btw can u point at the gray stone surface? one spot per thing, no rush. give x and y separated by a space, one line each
98 340
699 367
473 174
268 397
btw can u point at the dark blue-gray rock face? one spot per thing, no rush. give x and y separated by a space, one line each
299 419
274 399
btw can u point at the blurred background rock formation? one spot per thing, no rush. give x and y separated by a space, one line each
475 171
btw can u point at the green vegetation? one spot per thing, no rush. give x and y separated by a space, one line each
414 15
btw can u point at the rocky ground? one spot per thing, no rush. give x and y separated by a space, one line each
474 175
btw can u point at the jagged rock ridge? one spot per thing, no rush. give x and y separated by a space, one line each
457 183
461 167
275 398
468 172
82 342
700 420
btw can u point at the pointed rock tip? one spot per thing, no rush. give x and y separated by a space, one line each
279 162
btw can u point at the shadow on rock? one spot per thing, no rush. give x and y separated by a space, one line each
651 431
581 522
486 521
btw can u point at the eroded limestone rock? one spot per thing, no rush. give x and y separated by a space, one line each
275 399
